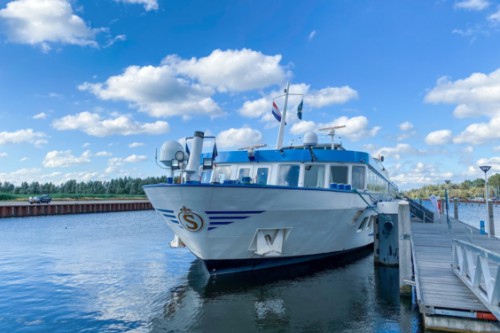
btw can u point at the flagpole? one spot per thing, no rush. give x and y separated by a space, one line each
279 144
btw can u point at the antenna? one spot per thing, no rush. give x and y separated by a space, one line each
331 131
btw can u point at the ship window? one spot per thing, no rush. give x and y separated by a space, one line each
370 224
314 176
289 175
222 173
338 174
358 177
363 223
261 177
243 172
206 175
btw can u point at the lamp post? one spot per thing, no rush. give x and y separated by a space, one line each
491 226
446 203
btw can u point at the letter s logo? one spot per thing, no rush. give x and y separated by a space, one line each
190 220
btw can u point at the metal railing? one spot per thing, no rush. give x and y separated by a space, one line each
478 269
421 212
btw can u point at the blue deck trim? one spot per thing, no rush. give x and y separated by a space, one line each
228 217
257 186
292 155
234 212
233 216
165 210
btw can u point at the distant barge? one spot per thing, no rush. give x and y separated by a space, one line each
24 209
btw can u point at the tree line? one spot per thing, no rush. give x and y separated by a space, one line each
464 190
119 186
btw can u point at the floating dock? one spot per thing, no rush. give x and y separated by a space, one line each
22 209
456 291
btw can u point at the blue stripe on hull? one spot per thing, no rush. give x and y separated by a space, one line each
231 266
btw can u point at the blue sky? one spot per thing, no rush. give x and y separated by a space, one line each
89 89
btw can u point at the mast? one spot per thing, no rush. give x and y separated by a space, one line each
279 144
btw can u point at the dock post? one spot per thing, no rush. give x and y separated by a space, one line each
491 222
455 208
386 234
405 265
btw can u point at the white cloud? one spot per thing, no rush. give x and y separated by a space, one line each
406 126
356 128
19 176
135 158
23 136
475 171
405 135
256 108
103 154
303 127
180 87
148 4
312 34
419 174
231 70
395 152
41 115
116 162
312 99
440 137
476 5
239 137
479 94
93 124
330 96
44 22
36 174
63 159
494 162
497 148
156 91
495 17
480 133
3 155
136 144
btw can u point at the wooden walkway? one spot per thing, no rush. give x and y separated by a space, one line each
445 302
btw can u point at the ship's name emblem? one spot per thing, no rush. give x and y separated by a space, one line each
190 220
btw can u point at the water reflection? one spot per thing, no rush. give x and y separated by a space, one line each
116 273
352 296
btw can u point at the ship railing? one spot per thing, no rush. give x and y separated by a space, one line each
478 268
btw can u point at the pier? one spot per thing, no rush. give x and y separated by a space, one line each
455 275
24 209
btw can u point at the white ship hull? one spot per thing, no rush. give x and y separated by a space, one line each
230 227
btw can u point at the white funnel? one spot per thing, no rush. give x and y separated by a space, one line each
194 158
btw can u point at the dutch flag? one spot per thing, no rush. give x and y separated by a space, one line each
276 112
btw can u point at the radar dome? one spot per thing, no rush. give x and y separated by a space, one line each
310 139
168 151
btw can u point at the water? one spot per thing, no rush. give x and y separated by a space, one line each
116 273
471 213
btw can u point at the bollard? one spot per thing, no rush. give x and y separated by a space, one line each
404 235
491 223
481 228
386 234
455 208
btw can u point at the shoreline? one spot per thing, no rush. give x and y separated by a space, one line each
10 209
